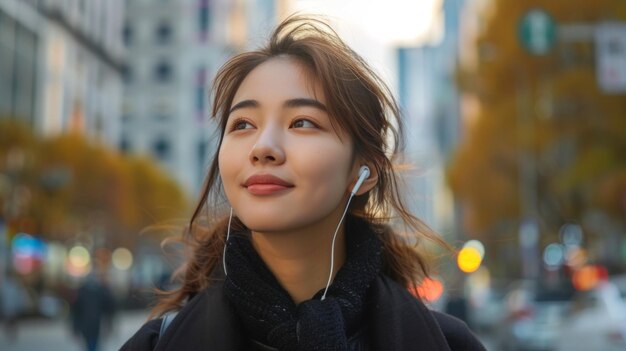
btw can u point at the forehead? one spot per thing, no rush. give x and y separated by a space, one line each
279 78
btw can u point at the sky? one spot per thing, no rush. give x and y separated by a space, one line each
387 21
374 28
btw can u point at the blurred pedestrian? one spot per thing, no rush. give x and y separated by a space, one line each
456 305
93 311
306 127
13 300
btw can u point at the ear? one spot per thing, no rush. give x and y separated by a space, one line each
368 183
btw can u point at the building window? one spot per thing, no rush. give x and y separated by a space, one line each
163 72
163 33
203 19
127 74
81 6
125 145
161 117
200 92
18 70
127 34
161 148
202 154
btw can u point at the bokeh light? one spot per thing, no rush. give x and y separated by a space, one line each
477 245
588 277
571 234
553 255
576 257
430 290
28 252
469 259
78 261
122 258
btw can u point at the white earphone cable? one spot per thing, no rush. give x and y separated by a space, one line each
332 250
362 177
230 218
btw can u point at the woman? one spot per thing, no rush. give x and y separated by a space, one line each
305 258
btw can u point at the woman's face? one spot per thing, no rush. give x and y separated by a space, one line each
282 164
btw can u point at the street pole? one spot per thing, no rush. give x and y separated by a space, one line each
537 34
529 224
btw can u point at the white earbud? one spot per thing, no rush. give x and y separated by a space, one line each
364 173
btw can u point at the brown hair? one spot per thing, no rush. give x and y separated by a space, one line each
360 103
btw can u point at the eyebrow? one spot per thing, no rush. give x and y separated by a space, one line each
300 102
291 103
244 104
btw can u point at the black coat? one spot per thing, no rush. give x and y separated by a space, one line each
395 321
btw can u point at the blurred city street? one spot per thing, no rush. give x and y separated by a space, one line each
55 334
514 115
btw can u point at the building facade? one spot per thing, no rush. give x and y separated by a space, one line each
174 49
429 96
61 65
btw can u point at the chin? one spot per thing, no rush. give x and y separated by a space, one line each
264 226
269 224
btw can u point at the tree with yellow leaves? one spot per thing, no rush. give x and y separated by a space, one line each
548 143
68 188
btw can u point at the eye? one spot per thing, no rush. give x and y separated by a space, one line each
303 123
240 124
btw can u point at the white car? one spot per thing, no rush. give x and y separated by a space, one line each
597 321
534 316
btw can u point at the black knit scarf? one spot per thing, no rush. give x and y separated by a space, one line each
270 316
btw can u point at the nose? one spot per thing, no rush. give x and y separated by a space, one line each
268 148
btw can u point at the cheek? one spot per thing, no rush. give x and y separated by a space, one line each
221 162
327 169
226 163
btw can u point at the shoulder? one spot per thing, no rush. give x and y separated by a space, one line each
457 333
148 336
206 319
145 338
412 321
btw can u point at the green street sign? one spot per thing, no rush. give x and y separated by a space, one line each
537 31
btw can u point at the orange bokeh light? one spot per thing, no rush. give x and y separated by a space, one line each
429 290
587 277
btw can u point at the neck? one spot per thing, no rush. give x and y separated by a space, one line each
300 259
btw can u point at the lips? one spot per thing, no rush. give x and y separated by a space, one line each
265 184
